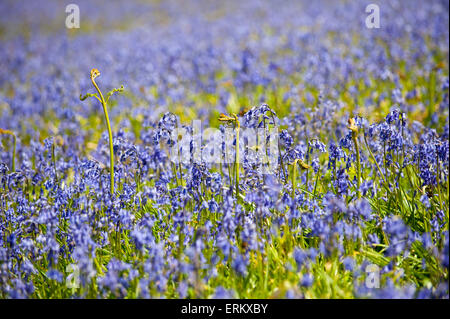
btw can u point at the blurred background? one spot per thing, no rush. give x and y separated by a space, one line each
201 58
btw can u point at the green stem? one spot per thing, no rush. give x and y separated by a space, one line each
237 159
111 149
14 154
307 159
294 178
315 184
358 163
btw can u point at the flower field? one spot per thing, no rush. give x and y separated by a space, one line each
206 149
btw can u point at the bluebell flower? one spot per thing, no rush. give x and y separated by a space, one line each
349 263
222 293
307 280
55 275
240 265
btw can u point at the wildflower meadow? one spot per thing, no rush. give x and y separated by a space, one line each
224 149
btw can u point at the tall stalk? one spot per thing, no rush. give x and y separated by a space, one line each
303 165
294 177
352 126
237 158
235 120
94 74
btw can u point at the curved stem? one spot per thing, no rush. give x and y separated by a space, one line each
111 149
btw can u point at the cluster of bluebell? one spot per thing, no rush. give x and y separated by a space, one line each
357 205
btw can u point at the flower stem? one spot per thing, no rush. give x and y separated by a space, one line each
13 165
294 177
237 158
358 164
94 74
354 128
234 119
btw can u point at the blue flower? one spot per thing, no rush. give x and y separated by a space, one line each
307 280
